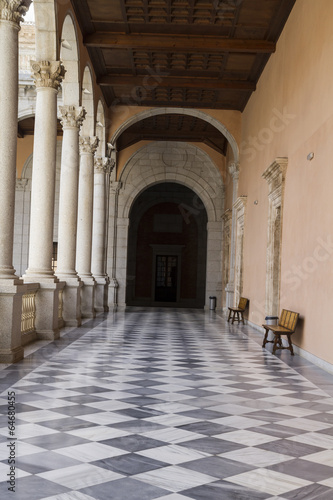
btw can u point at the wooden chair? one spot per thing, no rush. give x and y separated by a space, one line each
286 326
235 312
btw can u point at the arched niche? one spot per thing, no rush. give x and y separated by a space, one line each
70 57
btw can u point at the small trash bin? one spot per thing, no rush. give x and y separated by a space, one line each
212 303
271 320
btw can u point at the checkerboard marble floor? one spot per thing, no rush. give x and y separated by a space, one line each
167 404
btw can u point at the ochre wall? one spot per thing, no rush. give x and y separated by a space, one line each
291 115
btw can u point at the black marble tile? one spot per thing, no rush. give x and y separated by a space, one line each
134 442
291 448
124 489
304 469
212 445
312 492
222 490
218 467
32 488
130 464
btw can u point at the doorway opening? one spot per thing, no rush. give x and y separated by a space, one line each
167 248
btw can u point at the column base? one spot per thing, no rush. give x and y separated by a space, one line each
11 349
47 308
112 294
101 293
71 307
88 298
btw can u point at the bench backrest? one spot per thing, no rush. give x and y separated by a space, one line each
288 319
242 303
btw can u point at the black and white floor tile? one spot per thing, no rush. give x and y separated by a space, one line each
167 404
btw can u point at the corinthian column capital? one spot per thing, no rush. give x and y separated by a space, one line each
48 74
14 10
104 164
72 116
88 145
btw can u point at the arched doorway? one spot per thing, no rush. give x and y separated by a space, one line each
167 248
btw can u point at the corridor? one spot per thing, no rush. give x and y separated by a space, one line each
166 404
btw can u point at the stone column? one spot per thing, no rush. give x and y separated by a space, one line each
230 288
72 118
88 146
102 171
11 288
48 76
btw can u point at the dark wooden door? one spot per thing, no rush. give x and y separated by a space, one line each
166 278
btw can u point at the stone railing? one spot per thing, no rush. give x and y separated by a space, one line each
28 315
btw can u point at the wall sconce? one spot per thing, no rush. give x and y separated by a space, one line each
65 44
310 156
99 124
86 91
255 202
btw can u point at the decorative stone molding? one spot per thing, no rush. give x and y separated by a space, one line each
14 10
72 116
239 206
226 217
48 74
115 187
233 169
275 176
88 145
21 184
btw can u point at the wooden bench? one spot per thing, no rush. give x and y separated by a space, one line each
286 326
236 311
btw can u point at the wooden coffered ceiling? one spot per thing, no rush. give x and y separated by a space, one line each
180 53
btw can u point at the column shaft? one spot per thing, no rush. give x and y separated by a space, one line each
88 147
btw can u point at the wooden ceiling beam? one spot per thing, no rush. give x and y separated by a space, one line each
177 43
166 82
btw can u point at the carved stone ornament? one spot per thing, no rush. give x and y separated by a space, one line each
48 74
14 10
72 116
88 145
100 165
233 170
21 184
115 187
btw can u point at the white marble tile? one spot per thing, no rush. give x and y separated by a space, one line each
21 449
173 496
323 457
173 454
239 422
48 404
175 478
80 476
232 409
248 438
267 481
71 495
172 420
90 452
104 418
293 411
98 433
110 405
261 458
305 424
172 435
59 393
327 482
277 391
283 400
314 439
40 416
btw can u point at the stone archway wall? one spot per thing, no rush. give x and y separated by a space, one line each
168 162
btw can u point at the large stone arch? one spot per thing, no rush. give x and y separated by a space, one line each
190 112
160 162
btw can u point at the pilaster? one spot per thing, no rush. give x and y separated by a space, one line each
230 288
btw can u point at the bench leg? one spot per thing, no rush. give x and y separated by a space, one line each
290 345
265 338
229 315
234 317
242 318
277 340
